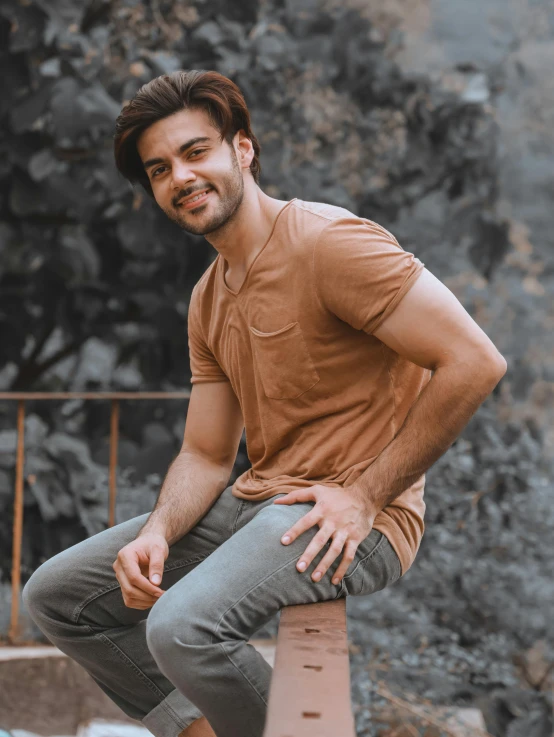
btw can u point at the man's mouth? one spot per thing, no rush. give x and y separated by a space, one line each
194 200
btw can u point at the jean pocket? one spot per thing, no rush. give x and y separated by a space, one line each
375 566
283 361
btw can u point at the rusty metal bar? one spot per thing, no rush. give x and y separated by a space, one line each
114 438
310 684
94 395
21 398
17 520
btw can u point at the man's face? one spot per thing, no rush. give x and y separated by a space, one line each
183 157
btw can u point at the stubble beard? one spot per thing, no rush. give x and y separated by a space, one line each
230 194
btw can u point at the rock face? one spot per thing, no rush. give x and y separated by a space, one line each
433 119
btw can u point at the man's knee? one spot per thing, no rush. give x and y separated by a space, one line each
172 629
160 630
50 592
41 592
61 582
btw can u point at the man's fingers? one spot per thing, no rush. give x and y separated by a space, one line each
156 565
349 553
334 551
132 594
130 576
298 495
133 603
304 523
140 582
131 569
317 542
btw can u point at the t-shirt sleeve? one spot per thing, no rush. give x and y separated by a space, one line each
203 364
361 272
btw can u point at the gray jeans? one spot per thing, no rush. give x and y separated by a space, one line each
188 655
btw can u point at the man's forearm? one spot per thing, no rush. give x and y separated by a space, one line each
191 486
434 421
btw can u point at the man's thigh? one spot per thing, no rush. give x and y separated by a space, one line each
245 581
252 575
79 584
375 564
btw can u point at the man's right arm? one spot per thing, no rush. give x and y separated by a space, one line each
201 471
195 479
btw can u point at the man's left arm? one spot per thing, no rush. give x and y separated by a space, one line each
431 328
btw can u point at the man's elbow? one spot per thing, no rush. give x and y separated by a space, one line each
492 368
499 365
503 365
483 368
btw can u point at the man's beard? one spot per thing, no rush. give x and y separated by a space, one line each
230 195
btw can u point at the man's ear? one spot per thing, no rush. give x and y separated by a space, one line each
245 152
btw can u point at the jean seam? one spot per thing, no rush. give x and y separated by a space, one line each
368 556
237 516
363 560
396 558
399 575
173 714
183 564
247 593
125 658
222 645
112 587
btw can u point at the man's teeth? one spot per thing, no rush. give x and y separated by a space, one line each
198 196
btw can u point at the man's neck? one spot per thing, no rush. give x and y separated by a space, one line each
240 241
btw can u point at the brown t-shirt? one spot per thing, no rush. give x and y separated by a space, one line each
320 395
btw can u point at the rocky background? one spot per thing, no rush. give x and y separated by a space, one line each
431 117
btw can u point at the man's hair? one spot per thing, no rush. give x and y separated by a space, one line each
195 89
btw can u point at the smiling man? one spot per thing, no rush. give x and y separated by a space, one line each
352 369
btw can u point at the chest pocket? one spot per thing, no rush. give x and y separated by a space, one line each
284 362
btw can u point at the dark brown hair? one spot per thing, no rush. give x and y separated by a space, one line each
195 89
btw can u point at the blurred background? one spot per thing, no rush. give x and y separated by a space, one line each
434 118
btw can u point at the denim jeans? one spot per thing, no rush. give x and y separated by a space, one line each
188 655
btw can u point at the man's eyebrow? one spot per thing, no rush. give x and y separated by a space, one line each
182 148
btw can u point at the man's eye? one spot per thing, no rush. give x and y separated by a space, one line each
156 171
198 151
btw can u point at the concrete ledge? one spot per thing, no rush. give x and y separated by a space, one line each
44 692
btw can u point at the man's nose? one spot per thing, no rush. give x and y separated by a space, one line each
182 175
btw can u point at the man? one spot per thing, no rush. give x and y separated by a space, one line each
352 369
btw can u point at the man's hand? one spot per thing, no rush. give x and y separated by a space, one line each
139 560
341 514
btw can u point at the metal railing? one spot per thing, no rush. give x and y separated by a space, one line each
21 398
